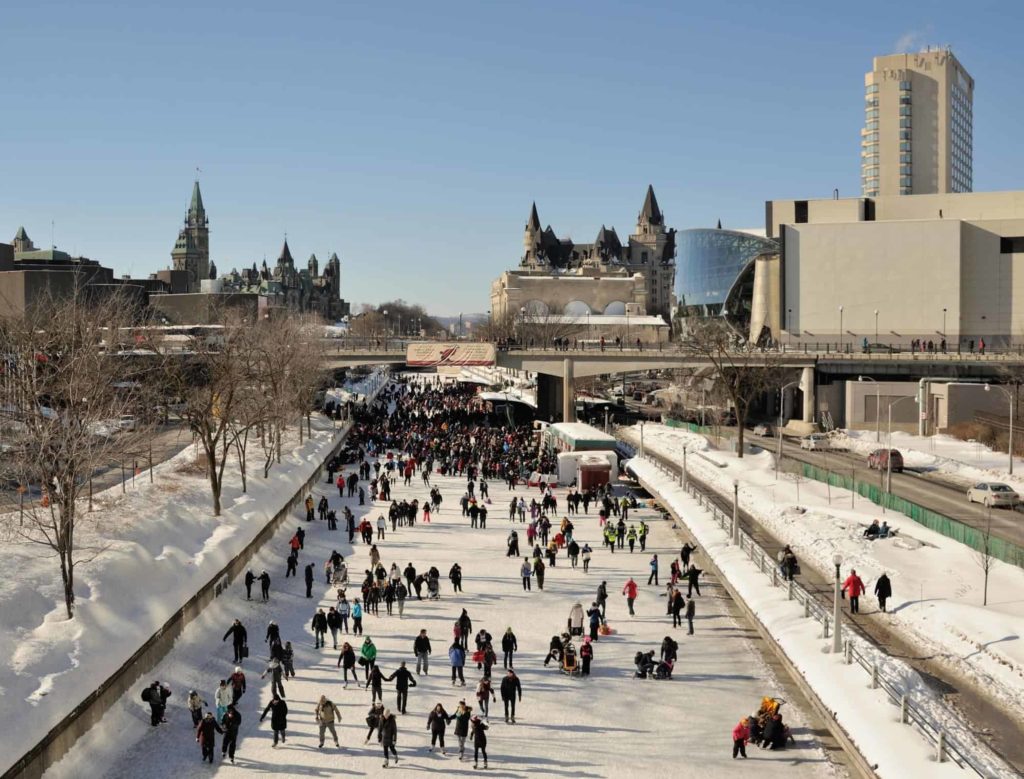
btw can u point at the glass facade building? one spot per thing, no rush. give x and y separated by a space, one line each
711 265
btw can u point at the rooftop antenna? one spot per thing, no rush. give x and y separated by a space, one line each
53 243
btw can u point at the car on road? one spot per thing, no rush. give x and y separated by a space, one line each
764 430
815 442
886 459
127 423
993 493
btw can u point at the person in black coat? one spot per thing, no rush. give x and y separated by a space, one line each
883 590
403 680
375 681
676 607
293 564
509 645
465 628
204 735
388 735
319 628
278 717
479 736
239 638
156 696
421 648
309 580
455 574
250 577
273 634
231 722
691 578
265 585
436 723
510 689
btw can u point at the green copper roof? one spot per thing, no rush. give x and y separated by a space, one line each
196 207
22 235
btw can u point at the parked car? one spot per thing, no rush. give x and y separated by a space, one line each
815 442
883 459
992 493
763 429
127 422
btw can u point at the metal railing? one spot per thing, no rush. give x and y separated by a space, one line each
946 746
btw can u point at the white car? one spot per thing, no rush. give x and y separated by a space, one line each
127 422
815 442
991 493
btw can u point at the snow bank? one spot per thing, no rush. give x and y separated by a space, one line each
163 544
866 714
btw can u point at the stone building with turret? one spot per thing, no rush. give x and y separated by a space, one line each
191 252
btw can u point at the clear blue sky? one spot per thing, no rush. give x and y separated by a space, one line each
412 137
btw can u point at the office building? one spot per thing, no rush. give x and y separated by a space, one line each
918 125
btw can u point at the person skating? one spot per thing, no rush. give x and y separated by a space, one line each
222 698
437 720
320 629
691 611
510 689
367 656
357 618
462 716
309 580
156 696
403 680
602 598
526 572
883 590
231 722
457 657
327 714
250 578
485 695
538 571
654 571
375 682
195 706
594 616
586 552
676 604
265 585
278 711
479 736
373 720
465 628
421 649
642 534
237 681
685 552
575 621
388 735
631 538
276 671
512 544
509 646
455 575
347 662
740 734
205 729
691 580
586 655
333 624
239 639
630 590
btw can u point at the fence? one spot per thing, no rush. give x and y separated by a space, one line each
59 740
692 427
975 538
946 746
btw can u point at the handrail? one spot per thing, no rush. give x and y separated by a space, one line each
947 745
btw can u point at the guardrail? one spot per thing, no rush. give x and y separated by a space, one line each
62 736
946 746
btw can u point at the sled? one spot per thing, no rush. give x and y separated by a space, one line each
606 629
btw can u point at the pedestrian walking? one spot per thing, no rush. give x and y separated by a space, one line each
250 577
437 720
276 671
630 590
327 714
457 657
205 730
265 586
883 590
231 722
319 628
388 735
511 688
403 680
479 736
509 646
239 641
309 580
654 571
740 734
421 649
278 711
195 706
854 587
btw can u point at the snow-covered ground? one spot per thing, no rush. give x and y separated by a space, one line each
608 725
961 461
936 582
164 544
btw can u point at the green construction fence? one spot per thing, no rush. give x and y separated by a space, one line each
1007 551
692 427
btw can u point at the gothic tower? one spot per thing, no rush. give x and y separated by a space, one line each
191 251
652 251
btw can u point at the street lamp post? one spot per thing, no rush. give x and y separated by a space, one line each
736 512
876 325
837 640
641 437
1011 399
888 443
944 323
878 410
841 328
789 326
782 405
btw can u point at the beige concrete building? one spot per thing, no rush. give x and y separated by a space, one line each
893 269
918 125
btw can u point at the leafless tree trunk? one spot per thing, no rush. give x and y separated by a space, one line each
983 555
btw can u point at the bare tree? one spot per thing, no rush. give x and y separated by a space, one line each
983 554
75 401
743 373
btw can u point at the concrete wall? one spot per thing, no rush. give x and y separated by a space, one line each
861 402
514 290
201 308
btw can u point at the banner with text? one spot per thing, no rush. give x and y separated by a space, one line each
426 355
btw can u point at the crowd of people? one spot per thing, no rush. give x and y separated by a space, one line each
408 433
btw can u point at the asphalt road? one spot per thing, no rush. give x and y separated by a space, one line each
929 489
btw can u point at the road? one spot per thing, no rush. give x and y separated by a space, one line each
1003 732
929 489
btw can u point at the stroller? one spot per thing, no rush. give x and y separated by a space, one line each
433 589
570 661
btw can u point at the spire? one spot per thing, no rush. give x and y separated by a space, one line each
286 255
22 235
196 212
719 224
650 213
533 223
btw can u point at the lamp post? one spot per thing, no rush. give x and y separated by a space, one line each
385 329
789 325
736 512
522 325
1011 399
878 410
943 322
888 443
837 640
840 328
641 437
782 405
876 325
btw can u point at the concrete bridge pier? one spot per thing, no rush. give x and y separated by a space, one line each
807 388
568 392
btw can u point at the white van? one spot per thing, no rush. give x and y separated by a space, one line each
815 442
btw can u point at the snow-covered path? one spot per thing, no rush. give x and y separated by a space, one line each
608 725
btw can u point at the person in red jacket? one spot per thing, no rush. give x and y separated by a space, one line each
740 734
630 592
853 586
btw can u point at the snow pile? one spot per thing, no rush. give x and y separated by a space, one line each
163 544
963 462
610 725
867 715
936 581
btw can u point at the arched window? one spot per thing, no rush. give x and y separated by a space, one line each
536 308
615 308
576 308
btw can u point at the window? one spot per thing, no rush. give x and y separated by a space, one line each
1011 245
904 145
904 135
872 125
906 181
904 110
906 158
905 122
800 208
905 86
